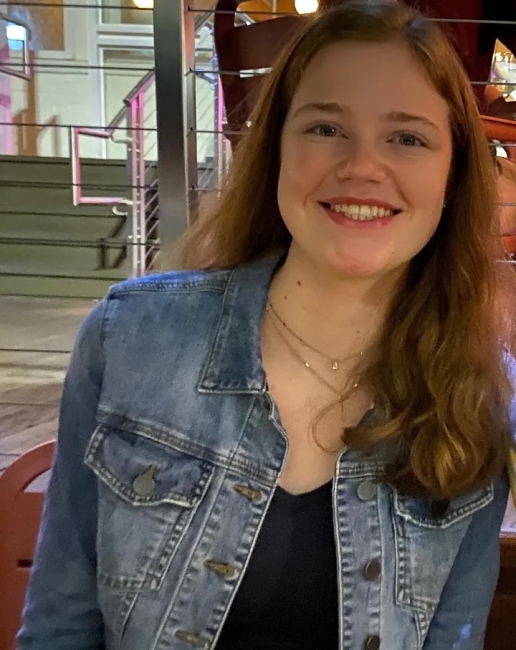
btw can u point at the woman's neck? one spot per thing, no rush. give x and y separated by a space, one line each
340 316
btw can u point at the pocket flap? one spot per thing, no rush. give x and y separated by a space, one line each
423 512
143 472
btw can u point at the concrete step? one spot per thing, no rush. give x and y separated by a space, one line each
72 252
48 247
21 280
53 198
44 185
40 169
61 225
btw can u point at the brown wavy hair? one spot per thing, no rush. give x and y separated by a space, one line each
440 373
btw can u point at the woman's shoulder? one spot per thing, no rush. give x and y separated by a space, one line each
152 306
171 282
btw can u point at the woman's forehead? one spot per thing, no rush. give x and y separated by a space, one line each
371 77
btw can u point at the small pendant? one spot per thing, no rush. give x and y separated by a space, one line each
335 365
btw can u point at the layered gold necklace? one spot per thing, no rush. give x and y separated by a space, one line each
335 363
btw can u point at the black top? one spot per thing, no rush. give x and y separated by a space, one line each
288 599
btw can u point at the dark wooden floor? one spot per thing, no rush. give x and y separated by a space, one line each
31 382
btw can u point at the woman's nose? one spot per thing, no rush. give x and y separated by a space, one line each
362 162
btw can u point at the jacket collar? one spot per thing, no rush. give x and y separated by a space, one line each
234 363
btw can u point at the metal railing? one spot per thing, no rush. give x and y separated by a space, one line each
132 115
141 208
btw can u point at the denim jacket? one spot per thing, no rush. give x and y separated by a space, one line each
168 455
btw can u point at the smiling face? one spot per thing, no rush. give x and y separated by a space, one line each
365 156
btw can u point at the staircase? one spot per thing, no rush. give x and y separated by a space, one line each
49 248
54 242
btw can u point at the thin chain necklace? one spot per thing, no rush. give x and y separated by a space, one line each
310 368
335 363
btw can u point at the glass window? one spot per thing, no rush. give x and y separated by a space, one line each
127 12
45 23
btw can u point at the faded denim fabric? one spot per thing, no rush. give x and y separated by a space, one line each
168 455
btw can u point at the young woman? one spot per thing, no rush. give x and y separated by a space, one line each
301 442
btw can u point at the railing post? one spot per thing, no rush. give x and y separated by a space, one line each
137 237
219 126
174 47
142 185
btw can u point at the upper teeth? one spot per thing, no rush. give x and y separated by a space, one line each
362 212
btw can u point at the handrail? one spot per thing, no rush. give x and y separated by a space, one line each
142 85
142 213
131 102
27 68
201 19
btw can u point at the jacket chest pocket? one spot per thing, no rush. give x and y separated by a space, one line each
428 536
147 496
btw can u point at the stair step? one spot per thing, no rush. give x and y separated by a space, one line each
18 280
48 199
48 246
37 170
40 249
60 225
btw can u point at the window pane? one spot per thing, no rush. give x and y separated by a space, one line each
127 12
45 22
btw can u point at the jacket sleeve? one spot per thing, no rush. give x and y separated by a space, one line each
61 610
461 616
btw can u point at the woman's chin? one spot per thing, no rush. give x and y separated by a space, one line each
352 266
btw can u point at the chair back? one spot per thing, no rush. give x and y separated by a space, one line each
501 627
20 514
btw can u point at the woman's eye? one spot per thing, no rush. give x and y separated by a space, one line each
410 140
325 130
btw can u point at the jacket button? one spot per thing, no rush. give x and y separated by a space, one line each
366 491
248 492
227 570
372 643
193 639
372 570
144 484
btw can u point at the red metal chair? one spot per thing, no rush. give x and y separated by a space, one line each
501 627
20 514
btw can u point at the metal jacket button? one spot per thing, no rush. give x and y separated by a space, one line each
372 570
372 643
225 569
193 639
144 484
248 492
366 491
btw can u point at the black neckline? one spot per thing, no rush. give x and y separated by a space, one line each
304 498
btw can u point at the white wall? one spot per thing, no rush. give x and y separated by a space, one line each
69 88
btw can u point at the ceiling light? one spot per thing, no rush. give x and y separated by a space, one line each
306 6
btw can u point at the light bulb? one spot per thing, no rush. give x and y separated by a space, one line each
306 6
144 4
